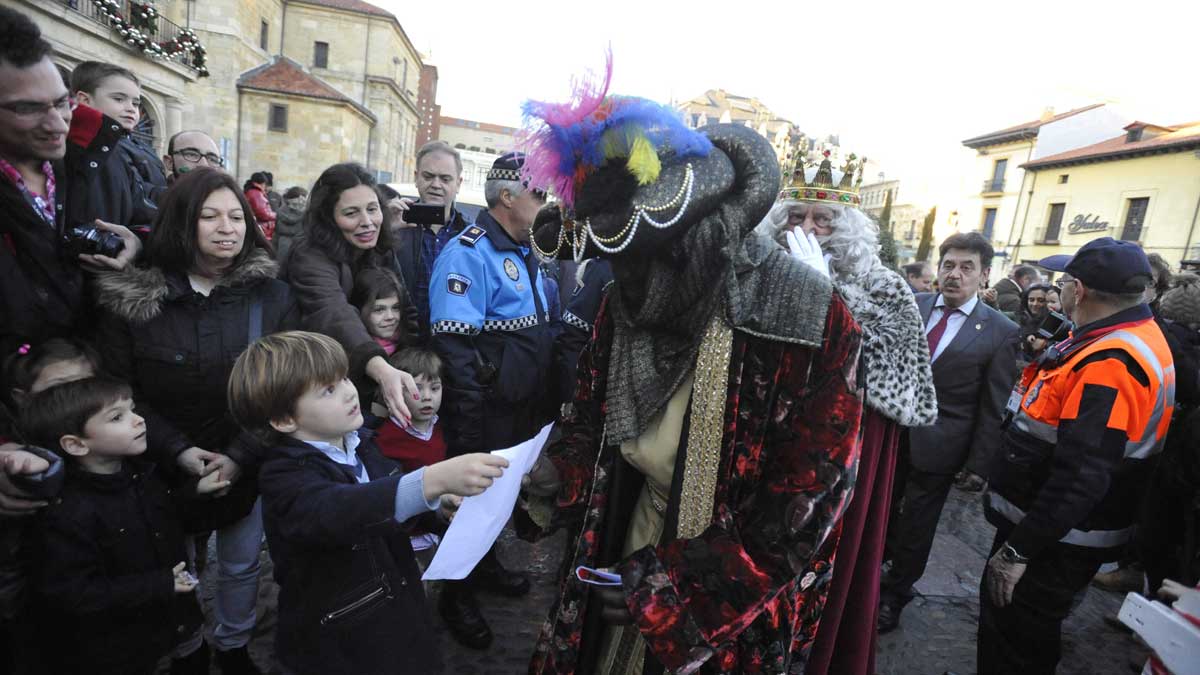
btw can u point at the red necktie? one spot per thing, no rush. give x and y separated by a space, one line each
935 335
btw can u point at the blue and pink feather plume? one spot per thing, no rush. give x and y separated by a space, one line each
566 142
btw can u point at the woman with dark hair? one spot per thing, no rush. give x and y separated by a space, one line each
346 231
174 329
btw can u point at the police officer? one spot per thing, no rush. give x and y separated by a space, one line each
490 323
1082 427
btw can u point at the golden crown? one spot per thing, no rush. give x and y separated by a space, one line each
813 182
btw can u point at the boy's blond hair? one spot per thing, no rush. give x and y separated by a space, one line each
274 372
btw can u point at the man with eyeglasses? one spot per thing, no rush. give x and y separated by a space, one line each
188 150
41 285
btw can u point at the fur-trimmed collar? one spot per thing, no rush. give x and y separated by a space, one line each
895 353
137 294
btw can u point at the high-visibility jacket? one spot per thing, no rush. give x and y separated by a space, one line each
1082 426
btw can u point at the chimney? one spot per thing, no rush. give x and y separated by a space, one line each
1047 114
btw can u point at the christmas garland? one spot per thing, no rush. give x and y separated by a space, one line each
138 32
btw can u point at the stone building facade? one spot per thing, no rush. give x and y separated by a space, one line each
344 71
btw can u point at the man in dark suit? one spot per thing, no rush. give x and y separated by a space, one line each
974 352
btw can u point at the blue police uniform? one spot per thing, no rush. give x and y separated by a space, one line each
577 321
490 322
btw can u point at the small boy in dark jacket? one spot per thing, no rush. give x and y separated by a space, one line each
350 595
112 592
112 176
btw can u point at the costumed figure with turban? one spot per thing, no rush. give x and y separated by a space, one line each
817 218
713 446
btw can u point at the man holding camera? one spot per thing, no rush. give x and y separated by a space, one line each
492 328
425 231
41 287
1082 428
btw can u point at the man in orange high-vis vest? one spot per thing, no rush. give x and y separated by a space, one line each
1082 427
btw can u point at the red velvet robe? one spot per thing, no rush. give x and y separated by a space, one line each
746 595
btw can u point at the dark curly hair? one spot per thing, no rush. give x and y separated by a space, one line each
21 41
321 229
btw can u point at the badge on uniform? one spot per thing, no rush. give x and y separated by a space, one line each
457 284
510 268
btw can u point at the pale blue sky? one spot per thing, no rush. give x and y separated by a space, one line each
901 82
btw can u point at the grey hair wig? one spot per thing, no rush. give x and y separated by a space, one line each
853 245
492 190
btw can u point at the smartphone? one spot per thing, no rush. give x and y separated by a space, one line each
595 577
425 214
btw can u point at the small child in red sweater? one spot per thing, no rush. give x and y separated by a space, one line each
421 443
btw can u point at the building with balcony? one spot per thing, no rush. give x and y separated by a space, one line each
292 86
1142 185
80 32
995 180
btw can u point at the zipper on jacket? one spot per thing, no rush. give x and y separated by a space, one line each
383 591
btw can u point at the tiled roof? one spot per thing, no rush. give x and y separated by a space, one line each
353 6
1177 138
1025 129
285 76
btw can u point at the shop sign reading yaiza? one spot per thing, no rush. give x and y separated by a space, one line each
1088 223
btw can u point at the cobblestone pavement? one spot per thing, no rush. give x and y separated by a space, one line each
937 632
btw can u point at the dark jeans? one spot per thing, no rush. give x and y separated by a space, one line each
1026 636
911 531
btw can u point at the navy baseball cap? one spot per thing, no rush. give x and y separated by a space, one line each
1106 264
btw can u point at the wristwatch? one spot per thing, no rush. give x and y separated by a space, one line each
1009 555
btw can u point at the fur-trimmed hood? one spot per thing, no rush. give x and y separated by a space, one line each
137 294
895 352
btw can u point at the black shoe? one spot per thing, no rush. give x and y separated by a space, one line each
489 575
889 617
195 663
237 662
460 611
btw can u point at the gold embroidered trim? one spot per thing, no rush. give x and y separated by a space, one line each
706 429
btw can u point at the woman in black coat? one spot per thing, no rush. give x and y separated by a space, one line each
346 230
174 330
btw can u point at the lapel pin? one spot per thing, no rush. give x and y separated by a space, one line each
978 326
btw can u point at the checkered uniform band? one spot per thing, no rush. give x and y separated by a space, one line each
572 320
504 174
511 324
454 327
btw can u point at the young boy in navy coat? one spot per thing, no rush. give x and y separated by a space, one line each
350 596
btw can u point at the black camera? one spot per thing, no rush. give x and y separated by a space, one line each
89 240
425 214
1054 327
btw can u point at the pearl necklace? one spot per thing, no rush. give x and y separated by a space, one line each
581 233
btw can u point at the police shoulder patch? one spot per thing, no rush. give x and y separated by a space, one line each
457 284
472 235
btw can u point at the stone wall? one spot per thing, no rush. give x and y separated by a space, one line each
319 133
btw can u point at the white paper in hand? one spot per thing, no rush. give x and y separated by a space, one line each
480 518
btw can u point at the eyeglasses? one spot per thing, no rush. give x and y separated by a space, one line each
32 111
193 155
